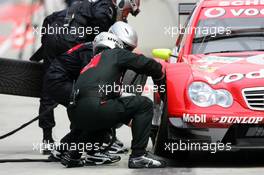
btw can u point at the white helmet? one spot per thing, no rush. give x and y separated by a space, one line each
124 7
126 34
106 40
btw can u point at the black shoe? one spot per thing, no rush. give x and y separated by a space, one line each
69 162
100 158
117 149
55 156
145 161
47 147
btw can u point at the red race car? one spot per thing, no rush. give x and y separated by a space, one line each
214 81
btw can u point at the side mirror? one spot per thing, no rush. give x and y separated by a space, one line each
163 54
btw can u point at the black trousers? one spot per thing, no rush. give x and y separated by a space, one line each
59 89
51 49
46 122
93 115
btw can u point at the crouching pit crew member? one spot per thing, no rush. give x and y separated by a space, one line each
93 16
97 110
65 69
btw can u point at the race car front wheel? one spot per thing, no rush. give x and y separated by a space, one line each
160 133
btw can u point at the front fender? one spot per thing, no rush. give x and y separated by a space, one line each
178 77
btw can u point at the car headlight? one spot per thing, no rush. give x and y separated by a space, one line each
203 95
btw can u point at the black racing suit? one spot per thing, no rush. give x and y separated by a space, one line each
97 110
62 73
93 17
60 77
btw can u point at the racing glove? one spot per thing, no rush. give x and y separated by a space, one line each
161 83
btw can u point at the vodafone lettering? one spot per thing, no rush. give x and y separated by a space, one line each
220 12
236 77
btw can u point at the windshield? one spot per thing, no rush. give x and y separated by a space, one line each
229 34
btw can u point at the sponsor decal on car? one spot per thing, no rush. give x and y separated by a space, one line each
206 68
240 12
237 120
241 3
209 60
194 118
235 9
230 78
258 59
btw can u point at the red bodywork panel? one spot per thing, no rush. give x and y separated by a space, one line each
230 71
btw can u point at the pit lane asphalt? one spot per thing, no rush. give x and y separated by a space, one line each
16 110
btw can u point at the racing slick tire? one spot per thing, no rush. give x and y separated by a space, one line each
159 134
23 78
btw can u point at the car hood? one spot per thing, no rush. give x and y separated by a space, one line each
223 70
